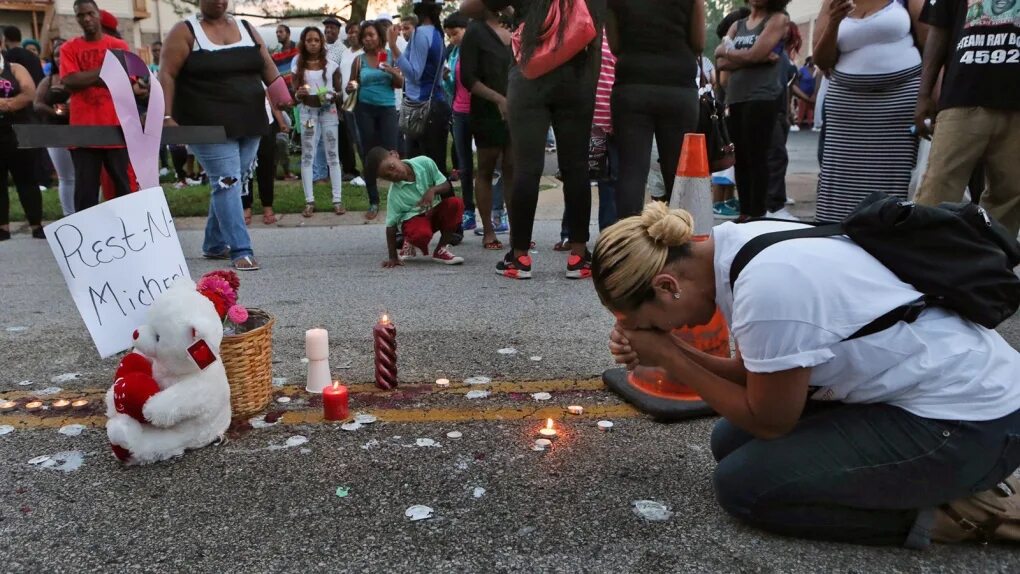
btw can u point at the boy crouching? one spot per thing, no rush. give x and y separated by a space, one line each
421 201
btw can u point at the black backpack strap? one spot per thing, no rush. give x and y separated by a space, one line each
766 240
908 313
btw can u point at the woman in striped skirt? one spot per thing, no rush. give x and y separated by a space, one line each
869 49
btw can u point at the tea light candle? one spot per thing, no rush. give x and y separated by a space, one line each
605 426
543 443
7 406
575 409
335 402
548 431
442 382
33 406
60 404
80 403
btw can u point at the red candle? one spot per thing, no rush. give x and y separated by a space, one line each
385 335
334 402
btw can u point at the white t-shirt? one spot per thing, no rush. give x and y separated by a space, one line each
795 303
346 63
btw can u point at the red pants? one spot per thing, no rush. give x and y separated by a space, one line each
805 112
106 183
445 218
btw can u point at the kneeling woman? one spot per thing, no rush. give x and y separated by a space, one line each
863 440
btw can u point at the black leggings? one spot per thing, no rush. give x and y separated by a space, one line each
751 125
265 173
564 98
21 164
643 111
433 143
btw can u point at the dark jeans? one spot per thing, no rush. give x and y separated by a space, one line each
179 157
640 112
348 138
867 474
607 190
465 159
20 163
265 174
377 126
751 125
433 143
88 164
779 160
564 98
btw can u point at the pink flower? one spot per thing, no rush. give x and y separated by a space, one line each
212 284
237 314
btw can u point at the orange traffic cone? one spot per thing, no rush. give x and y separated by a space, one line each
651 390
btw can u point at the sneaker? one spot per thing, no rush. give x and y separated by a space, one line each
443 255
502 224
408 251
795 128
734 204
358 182
163 172
723 211
4 235
783 214
193 182
514 268
180 185
38 233
468 222
790 201
816 129
579 267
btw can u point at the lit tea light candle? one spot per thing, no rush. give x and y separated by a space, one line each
61 404
442 382
33 406
548 431
80 403
7 406
575 409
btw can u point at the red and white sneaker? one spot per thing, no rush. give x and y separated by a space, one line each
408 251
443 255
514 267
579 267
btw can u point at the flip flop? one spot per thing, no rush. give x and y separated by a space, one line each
269 219
372 213
493 245
561 246
309 210
246 263
218 256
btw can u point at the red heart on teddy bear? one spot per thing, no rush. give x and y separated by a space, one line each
133 363
130 393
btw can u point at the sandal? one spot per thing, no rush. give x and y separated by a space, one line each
269 218
246 263
339 209
218 256
563 245
247 217
309 210
493 245
372 213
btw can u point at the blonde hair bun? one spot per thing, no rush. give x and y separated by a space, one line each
669 227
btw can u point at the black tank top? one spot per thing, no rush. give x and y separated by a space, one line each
223 88
9 88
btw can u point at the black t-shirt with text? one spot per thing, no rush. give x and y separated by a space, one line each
983 64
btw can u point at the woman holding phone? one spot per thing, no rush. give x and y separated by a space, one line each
376 81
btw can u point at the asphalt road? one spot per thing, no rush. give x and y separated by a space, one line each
251 506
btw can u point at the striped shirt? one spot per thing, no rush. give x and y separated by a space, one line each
604 90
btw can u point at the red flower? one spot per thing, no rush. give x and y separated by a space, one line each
227 275
218 301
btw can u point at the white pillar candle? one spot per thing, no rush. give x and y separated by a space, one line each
317 344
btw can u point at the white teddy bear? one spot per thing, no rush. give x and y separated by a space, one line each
171 393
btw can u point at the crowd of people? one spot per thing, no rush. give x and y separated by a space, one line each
904 421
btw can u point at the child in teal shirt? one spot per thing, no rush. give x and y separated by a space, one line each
421 202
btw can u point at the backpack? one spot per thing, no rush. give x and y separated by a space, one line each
955 254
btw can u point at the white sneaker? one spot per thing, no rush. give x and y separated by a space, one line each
408 251
783 214
180 185
790 201
358 182
193 182
443 255
42 188
794 128
816 129
163 171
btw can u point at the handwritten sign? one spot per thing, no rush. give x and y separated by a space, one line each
116 258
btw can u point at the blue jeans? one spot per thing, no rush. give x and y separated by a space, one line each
862 473
320 170
465 158
228 166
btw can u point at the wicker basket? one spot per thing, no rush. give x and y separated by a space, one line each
248 358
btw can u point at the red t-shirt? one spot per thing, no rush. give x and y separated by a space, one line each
91 106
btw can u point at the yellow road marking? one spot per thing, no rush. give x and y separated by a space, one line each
548 386
314 416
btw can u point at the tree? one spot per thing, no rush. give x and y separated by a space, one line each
715 11
282 9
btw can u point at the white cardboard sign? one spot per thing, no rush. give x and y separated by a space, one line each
116 258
